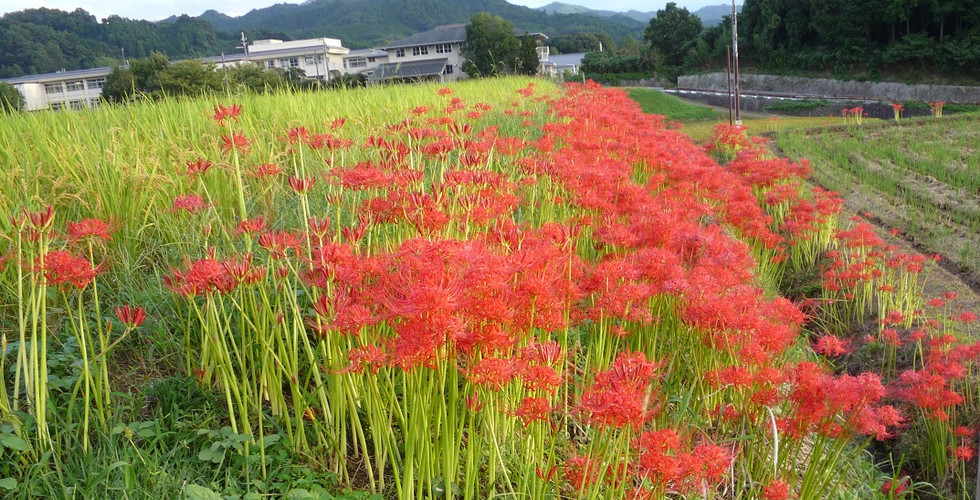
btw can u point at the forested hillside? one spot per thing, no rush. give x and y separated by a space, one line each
44 40
877 36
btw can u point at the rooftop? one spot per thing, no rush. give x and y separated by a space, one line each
410 69
441 34
60 75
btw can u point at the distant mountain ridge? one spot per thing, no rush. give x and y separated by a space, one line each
710 15
365 23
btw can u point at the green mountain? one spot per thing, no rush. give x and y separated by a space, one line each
365 23
710 15
47 40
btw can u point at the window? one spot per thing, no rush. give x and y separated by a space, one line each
314 59
293 62
399 52
94 103
420 51
270 64
449 70
372 59
77 104
356 62
53 88
96 83
444 48
57 106
75 86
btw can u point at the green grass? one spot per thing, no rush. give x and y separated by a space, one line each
673 108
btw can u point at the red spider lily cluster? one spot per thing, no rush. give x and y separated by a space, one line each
48 260
897 109
856 113
532 283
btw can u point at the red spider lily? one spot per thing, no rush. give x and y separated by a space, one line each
132 317
775 490
198 167
368 356
278 243
445 91
337 123
527 91
90 228
40 220
420 110
235 142
964 453
831 346
248 226
619 396
221 112
895 489
581 471
242 271
532 410
493 372
202 276
297 134
62 268
266 170
301 184
190 203
319 227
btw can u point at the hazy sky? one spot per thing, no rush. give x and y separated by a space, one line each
160 9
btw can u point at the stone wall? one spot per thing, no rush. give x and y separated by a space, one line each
881 91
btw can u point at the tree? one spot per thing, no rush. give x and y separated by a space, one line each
672 32
251 78
10 98
528 60
147 72
119 86
490 45
189 78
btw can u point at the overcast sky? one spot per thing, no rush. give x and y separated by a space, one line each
160 9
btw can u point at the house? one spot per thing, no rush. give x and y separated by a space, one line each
561 64
75 89
430 55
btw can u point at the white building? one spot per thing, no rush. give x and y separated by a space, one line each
561 64
75 89
364 61
430 55
319 58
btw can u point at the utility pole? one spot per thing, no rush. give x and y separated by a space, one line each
728 78
738 116
326 62
244 45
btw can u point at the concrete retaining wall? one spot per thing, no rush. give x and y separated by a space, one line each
882 91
